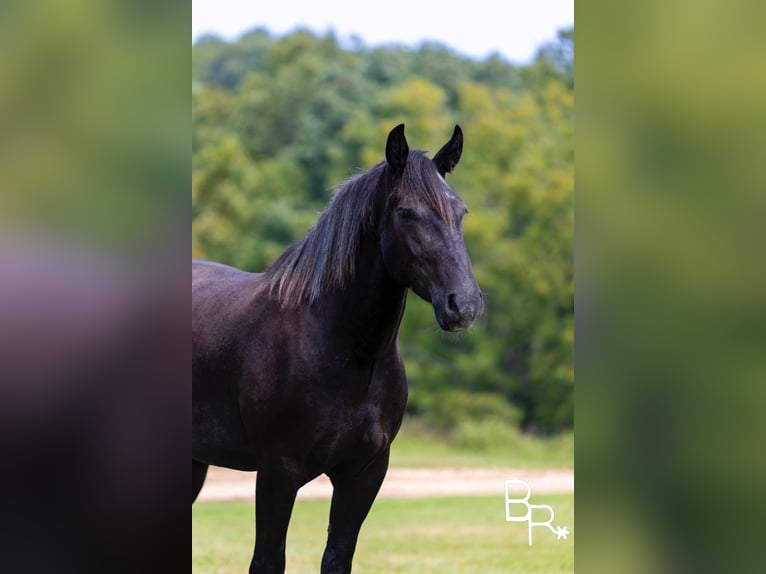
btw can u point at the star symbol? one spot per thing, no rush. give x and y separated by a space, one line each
562 532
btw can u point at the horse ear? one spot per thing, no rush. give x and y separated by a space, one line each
397 149
447 158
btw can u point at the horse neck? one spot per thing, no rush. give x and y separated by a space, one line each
368 310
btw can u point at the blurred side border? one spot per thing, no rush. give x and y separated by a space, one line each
670 286
95 144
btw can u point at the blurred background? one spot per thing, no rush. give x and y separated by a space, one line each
671 286
94 295
287 103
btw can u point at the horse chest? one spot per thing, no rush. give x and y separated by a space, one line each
356 438
363 417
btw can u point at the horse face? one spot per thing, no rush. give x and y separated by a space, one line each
421 236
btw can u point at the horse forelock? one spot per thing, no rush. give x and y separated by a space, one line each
325 257
422 180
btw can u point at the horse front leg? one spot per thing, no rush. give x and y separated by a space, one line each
275 491
353 495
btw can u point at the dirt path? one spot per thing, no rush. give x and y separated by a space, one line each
225 484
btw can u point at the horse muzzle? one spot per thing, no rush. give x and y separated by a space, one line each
457 310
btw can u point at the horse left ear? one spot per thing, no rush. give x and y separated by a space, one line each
449 155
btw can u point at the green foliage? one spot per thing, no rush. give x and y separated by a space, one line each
479 444
448 409
277 122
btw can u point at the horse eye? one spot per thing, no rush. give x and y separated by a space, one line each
406 214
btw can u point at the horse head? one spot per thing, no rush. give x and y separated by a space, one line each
420 231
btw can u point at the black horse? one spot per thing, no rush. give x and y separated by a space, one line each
297 372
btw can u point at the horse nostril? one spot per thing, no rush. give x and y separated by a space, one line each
451 305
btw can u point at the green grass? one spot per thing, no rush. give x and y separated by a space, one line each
417 447
418 536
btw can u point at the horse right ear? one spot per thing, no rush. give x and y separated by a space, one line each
397 149
449 155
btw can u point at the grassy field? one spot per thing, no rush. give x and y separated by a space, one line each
418 536
415 447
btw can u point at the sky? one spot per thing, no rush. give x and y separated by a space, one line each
477 28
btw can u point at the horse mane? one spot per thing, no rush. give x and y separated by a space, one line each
324 259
